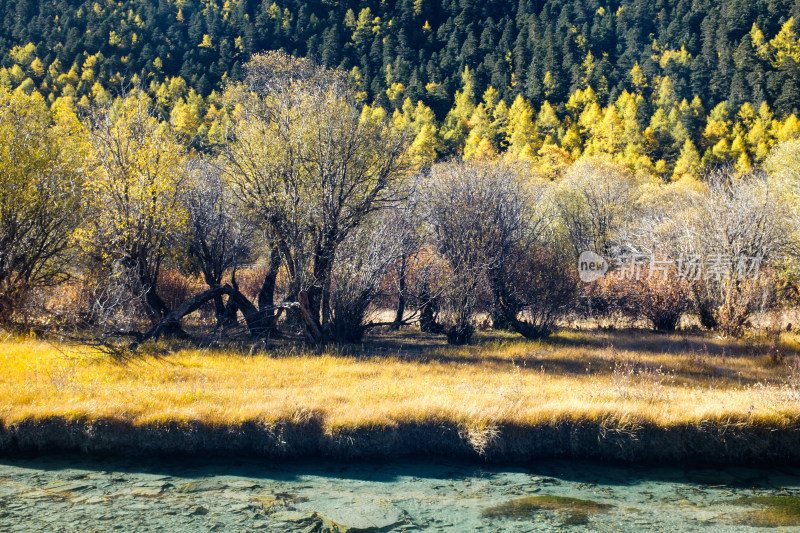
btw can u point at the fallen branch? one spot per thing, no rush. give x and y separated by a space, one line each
404 322
259 324
174 317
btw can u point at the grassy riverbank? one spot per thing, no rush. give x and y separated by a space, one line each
618 386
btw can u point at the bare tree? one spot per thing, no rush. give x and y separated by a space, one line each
477 213
738 222
360 268
219 237
595 203
542 284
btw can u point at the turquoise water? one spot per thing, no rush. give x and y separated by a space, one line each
82 494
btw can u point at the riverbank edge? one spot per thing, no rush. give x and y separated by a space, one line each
733 443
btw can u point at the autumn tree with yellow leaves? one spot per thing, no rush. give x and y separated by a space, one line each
133 196
311 167
40 180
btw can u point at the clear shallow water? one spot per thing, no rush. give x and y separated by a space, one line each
81 494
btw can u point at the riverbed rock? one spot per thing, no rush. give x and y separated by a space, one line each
68 486
357 517
148 492
201 486
361 517
293 516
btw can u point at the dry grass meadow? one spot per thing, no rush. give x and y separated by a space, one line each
630 377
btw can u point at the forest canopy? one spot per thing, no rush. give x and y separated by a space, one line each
670 87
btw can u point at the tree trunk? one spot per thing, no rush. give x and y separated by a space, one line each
401 294
6 309
219 309
254 319
229 318
160 310
506 306
427 312
214 281
266 295
318 303
313 304
326 305
174 317
312 329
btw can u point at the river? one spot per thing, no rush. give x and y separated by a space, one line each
81 494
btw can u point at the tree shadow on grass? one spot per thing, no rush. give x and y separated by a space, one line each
699 357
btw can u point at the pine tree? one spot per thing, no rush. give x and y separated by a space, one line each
548 124
521 134
688 163
455 129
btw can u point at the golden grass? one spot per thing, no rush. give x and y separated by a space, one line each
629 377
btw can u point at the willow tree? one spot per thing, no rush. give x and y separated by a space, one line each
487 221
39 178
133 196
596 203
742 227
218 237
311 167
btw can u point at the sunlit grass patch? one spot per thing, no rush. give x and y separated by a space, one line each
585 376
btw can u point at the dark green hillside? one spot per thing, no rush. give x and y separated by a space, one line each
418 48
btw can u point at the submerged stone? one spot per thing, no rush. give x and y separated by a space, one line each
775 511
201 486
541 480
360 517
148 492
279 499
574 511
521 490
292 516
68 486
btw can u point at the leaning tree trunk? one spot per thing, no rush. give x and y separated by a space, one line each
252 315
159 308
256 324
174 317
219 304
230 317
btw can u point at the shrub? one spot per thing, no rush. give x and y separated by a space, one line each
727 305
538 287
661 299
